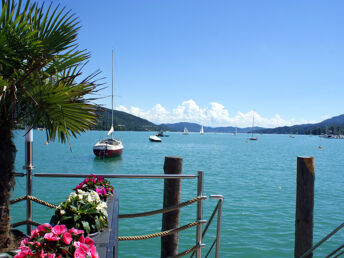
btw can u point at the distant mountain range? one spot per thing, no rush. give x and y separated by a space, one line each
127 122
333 125
193 127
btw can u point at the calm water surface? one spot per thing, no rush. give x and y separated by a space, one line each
257 180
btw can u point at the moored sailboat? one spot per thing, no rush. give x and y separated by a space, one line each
186 132
109 147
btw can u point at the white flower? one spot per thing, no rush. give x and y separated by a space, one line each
89 198
62 212
72 194
80 196
103 205
80 191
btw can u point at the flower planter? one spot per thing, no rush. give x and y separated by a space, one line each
106 241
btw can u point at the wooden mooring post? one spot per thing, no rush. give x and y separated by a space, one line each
172 193
304 206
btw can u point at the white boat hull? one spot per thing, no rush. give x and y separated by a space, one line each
154 138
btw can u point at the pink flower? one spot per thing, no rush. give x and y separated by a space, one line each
34 233
99 191
24 252
51 237
52 255
42 254
93 252
78 244
23 242
89 241
37 243
75 231
67 238
79 253
59 229
44 227
82 239
79 186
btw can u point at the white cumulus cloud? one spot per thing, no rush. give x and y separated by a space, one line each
215 114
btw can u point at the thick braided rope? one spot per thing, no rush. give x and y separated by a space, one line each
32 198
165 210
50 205
160 234
185 252
18 199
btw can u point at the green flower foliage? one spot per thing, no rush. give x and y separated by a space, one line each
82 210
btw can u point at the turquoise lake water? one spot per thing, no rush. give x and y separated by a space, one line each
257 179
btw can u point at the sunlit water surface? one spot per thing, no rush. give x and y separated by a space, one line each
257 180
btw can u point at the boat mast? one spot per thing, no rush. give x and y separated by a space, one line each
252 125
112 98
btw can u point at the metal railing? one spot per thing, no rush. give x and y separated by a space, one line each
335 252
199 219
218 210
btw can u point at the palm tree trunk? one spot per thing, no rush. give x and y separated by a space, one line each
7 159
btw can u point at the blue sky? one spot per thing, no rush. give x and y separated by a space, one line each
214 62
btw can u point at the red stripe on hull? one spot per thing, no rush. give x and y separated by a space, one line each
107 153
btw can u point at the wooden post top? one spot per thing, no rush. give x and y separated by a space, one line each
173 157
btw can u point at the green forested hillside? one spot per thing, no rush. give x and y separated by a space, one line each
123 122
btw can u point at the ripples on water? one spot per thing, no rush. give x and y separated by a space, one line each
257 180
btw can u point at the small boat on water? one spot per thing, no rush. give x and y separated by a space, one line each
109 147
154 138
186 132
202 130
236 131
161 134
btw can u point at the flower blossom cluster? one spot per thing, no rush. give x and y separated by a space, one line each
98 184
57 242
83 210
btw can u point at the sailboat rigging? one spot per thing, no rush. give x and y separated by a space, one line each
109 147
253 138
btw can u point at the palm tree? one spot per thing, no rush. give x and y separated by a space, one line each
40 84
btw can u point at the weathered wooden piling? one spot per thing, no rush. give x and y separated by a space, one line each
172 193
304 206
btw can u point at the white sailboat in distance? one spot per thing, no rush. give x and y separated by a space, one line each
202 130
186 132
109 147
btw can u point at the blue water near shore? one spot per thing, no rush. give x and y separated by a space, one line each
257 179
